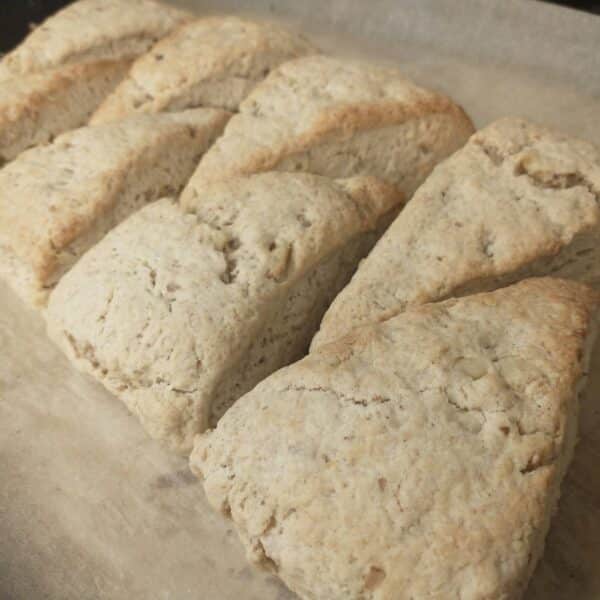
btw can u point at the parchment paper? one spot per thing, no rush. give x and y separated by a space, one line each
90 508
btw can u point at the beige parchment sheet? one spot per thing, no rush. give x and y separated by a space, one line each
90 508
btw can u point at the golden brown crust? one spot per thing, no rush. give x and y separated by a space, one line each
90 31
58 200
345 120
214 61
35 108
338 118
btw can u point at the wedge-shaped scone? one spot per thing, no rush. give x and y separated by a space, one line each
91 31
180 314
338 118
518 200
34 109
416 458
58 76
209 62
58 200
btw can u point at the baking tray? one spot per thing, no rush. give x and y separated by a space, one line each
92 509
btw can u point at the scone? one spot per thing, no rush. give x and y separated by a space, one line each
58 200
58 76
338 118
35 108
417 458
518 200
213 62
179 314
92 31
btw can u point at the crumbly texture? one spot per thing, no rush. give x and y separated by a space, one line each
91 31
56 201
34 109
338 118
212 62
180 313
517 201
416 458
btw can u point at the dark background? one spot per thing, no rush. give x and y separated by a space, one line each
16 16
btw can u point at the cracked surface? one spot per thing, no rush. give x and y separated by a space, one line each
416 458
180 313
338 118
91 31
212 62
56 201
517 201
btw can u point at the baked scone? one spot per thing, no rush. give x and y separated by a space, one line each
338 118
518 200
91 31
66 66
58 200
417 458
180 314
35 108
213 62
